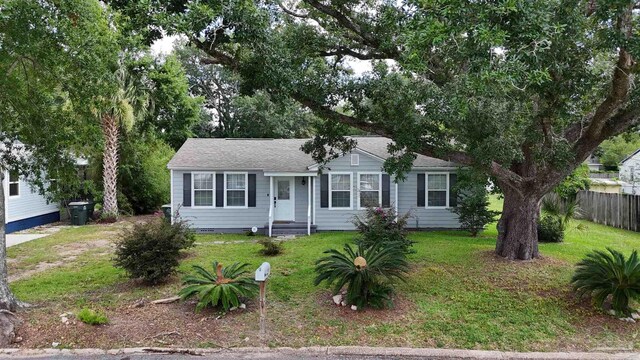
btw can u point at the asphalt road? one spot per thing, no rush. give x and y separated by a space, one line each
225 356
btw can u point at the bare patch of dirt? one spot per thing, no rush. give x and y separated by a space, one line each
174 324
40 267
401 307
77 248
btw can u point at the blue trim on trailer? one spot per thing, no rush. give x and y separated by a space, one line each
32 222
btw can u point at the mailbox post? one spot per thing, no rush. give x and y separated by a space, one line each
262 274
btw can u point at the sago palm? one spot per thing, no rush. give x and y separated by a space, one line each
564 210
602 274
367 272
225 287
128 102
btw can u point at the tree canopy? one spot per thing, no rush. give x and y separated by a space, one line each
54 59
523 90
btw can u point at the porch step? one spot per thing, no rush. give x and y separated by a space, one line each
291 228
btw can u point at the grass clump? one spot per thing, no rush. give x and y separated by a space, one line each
270 247
92 317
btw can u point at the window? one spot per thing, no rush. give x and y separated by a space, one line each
235 190
14 183
355 159
437 190
370 191
340 191
203 189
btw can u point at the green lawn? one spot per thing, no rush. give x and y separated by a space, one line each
457 295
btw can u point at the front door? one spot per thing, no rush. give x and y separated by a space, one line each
284 199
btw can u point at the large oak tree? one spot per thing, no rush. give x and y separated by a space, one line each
521 90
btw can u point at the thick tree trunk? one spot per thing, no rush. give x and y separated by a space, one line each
110 166
517 228
7 300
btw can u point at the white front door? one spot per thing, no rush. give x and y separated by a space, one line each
284 199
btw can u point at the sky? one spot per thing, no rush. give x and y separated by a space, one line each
164 46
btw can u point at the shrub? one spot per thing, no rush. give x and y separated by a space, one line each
473 209
563 209
367 273
92 317
550 229
270 247
143 175
380 226
223 288
150 251
602 275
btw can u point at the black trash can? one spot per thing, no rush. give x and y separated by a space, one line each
79 212
91 206
166 209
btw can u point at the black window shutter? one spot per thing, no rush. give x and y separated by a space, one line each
421 189
219 190
252 190
324 190
186 189
386 191
453 195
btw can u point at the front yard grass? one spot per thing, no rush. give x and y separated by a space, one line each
457 295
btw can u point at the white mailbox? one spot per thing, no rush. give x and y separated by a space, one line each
263 272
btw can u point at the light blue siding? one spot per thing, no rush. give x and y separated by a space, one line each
222 218
302 193
421 217
339 219
28 204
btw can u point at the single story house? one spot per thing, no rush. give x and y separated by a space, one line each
270 185
630 168
24 207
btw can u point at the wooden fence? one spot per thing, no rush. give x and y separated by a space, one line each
617 210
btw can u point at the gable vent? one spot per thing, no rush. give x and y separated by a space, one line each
355 159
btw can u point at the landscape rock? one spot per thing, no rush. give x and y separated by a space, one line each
243 306
635 316
138 304
354 308
343 303
337 299
55 344
65 320
18 339
631 320
9 324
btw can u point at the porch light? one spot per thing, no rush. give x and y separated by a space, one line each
304 182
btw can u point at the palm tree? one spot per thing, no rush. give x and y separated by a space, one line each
130 101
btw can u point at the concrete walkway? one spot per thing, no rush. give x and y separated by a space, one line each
310 353
15 239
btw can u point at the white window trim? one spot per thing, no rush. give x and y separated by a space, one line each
193 190
426 190
379 187
9 182
357 159
246 189
350 190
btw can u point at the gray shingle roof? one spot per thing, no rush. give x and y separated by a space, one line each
277 155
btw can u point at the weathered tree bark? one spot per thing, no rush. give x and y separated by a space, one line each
7 300
517 227
9 324
110 131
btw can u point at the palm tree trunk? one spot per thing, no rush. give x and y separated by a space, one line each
110 166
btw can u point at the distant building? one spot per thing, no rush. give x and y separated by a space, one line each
594 163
